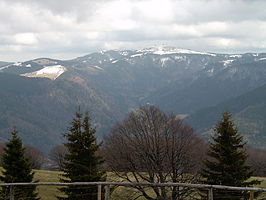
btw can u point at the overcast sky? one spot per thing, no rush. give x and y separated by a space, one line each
65 29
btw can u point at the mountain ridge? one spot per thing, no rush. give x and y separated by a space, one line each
109 84
249 113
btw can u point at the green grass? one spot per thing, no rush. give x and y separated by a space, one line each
50 192
263 181
47 192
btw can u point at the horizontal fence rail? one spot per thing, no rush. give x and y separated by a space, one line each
107 185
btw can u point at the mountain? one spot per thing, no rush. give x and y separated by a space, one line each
40 108
2 63
249 111
40 96
210 80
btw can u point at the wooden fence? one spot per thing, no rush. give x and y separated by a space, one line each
106 186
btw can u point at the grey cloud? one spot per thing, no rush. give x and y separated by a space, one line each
58 6
67 27
80 9
226 10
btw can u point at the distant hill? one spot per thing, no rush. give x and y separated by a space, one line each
41 109
40 96
3 63
249 113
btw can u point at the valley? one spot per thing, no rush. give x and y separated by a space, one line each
40 96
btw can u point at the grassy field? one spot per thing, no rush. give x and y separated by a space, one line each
50 192
47 192
263 182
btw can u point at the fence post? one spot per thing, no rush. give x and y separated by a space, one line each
107 192
99 192
11 193
251 195
210 194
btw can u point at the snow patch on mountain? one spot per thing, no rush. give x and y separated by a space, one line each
56 69
103 52
137 55
180 58
51 72
97 67
164 60
172 50
235 56
5 67
210 71
18 64
124 53
227 62
260 59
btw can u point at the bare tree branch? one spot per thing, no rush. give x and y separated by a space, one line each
150 146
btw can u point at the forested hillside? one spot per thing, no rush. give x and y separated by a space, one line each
40 96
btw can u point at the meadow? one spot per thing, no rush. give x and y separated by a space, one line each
50 192
47 192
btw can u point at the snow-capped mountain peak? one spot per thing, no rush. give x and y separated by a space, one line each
165 50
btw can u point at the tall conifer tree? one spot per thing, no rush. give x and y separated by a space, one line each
226 162
81 162
17 169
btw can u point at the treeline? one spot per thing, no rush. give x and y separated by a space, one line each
256 157
151 146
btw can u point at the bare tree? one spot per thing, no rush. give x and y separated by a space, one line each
257 161
150 146
2 145
35 157
57 155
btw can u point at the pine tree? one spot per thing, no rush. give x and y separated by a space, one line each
17 169
226 162
81 162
